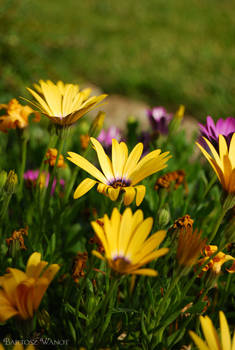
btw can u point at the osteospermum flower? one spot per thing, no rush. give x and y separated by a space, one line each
159 119
63 103
16 116
211 131
21 292
223 162
105 137
124 238
212 339
30 176
123 173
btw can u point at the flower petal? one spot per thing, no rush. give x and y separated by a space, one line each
85 186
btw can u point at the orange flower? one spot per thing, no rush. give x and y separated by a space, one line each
51 158
17 236
16 116
21 292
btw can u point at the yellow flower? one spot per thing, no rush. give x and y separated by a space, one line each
63 103
16 116
124 238
212 339
120 174
21 292
223 162
215 263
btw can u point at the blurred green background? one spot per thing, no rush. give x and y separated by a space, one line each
163 52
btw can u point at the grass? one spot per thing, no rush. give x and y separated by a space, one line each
164 52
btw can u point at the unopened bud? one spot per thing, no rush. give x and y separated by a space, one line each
11 182
97 125
163 217
44 319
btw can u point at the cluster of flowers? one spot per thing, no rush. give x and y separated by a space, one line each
124 237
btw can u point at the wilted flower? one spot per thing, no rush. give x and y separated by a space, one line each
124 238
18 236
159 119
16 116
31 176
79 264
105 137
216 262
177 177
51 158
189 247
211 131
185 223
212 339
21 292
222 162
122 174
63 103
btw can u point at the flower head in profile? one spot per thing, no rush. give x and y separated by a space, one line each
159 119
222 162
63 103
122 174
124 238
21 292
16 116
212 130
212 339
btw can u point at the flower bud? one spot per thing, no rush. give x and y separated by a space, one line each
163 217
97 125
11 182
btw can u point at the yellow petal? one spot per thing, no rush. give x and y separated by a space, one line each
210 333
198 341
53 98
152 256
225 333
113 193
42 103
140 194
85 186
231 151
129 195
133 160
87 166
124 234
146 272
119 157
104 160
100 233
97 254
7 310
32 264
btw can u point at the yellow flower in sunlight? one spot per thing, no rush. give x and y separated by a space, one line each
124 238
223 162
63 103
16 116
120 174
215 263
21 292
212 339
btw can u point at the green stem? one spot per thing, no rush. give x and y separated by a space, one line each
217 225
69 186
23 162
209 186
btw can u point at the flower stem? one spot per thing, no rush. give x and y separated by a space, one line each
217 225
24 141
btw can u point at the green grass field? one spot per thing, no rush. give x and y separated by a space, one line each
164 52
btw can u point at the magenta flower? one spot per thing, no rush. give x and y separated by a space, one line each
105 137
212 131
31 176
159 119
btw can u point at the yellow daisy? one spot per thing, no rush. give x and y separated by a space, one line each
223 162
123 173
63 103
212 339
21 292
124 238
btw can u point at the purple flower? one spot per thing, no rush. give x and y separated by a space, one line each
105 137
212 131
159 119
31 176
